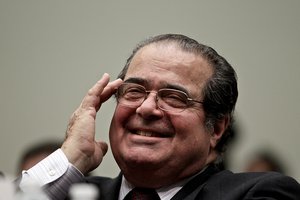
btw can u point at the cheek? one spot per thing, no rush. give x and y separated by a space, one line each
189 125
121 115
116 130
116 118
191 132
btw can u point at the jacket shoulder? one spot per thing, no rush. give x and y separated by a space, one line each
266 185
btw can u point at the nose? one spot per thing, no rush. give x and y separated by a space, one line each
149 107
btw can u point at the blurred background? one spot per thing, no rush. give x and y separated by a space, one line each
52 52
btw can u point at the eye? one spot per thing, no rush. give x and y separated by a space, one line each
174 98
133 92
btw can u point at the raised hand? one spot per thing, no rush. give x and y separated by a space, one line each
80 146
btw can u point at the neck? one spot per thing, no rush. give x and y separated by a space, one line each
161 176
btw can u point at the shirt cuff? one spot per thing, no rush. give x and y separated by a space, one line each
46 171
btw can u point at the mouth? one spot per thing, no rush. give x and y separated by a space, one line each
149 133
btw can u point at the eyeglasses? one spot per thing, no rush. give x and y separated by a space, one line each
171 100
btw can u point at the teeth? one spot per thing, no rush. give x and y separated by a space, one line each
143 133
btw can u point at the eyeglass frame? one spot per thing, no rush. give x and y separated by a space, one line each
157 97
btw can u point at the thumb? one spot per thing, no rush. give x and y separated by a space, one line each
103 146
100 150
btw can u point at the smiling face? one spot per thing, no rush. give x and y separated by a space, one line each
152 147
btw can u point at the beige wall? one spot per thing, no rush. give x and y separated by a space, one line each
51 52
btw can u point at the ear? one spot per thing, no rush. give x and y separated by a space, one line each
218 131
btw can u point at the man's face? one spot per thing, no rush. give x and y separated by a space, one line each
148 142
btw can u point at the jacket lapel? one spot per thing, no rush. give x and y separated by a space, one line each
192 188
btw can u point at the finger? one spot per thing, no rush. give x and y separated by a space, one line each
100 85
110 89
92 98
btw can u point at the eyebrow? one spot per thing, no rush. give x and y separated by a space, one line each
145 83
177 87
136 80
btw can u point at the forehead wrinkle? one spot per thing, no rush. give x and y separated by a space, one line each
173 56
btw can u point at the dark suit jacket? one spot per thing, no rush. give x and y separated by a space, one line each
214 184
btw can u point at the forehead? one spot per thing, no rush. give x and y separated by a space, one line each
167 63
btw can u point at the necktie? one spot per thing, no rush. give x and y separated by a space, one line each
142 194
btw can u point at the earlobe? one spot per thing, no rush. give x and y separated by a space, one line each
218 131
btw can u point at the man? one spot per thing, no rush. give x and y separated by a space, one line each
175 101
